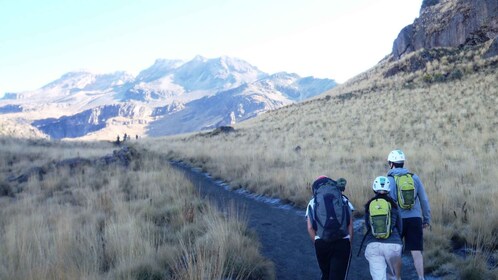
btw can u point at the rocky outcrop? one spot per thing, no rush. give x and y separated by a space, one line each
90 120
7 109
492 50
220 130
449 23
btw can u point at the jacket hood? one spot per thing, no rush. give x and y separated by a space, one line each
398 171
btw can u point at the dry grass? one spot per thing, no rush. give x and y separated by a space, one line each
447 127
108 222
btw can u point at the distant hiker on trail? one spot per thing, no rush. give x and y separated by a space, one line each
330 226
409 193
383 236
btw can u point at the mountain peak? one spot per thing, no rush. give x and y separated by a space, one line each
285 75
220 73
199 58
166 62
159 69
73 77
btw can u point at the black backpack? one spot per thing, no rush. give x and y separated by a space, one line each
331 213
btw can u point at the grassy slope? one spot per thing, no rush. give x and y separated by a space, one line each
443 115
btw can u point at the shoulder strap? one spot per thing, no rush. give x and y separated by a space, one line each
312 214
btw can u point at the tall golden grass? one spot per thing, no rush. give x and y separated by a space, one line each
448 128
110 222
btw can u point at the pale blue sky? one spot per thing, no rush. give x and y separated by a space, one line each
40 40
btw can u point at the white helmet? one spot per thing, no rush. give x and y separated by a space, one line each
381 183
396 156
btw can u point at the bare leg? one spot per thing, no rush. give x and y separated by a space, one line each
418 261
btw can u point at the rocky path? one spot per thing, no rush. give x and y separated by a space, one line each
282 231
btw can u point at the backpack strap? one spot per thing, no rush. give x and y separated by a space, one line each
312 215
348 203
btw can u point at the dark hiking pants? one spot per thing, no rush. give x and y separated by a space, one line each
333 258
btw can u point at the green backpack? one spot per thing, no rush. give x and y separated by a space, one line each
380 218
405 190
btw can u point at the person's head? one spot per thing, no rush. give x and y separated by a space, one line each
381 185
396 159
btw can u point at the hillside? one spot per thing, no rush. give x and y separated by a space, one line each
437 104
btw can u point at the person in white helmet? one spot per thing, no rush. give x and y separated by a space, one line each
383 250
409 193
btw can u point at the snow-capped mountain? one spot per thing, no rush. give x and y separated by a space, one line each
160 68
169 97
194 79
72 83
219 74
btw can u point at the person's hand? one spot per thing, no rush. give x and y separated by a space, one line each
426 225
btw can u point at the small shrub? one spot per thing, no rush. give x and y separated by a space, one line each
5 189
439 77
436 260
145 270
427 78
456 74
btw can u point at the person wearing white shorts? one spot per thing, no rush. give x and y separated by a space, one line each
382 257
384 254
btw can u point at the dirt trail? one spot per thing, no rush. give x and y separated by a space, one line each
282 232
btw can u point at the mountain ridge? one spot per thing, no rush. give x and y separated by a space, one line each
80 104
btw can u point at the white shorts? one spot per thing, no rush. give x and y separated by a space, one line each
382 256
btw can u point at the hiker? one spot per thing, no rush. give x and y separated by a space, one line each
332 241
409 193
383 236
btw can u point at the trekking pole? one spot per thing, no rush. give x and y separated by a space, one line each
361 244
